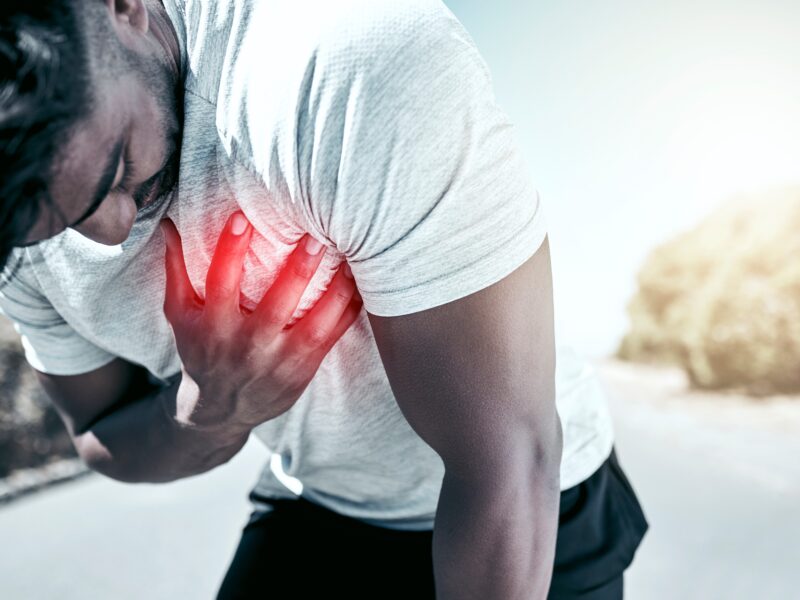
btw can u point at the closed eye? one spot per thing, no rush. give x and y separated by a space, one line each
127 178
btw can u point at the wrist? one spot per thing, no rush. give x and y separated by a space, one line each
191 415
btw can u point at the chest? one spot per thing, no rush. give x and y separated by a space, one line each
113 296
203 208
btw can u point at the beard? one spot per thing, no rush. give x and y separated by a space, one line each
167 89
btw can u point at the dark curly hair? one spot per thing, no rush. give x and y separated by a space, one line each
44 91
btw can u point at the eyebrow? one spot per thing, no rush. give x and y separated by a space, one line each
104 186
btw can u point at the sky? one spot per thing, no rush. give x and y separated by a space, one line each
637 118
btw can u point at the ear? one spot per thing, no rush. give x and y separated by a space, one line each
129 18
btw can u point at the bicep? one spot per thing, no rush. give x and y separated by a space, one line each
476 376
81 400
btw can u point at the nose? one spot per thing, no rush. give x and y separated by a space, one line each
112 222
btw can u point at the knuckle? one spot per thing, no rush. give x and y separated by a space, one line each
302 269
288 372
254 358
219 332
316 335
342 296
326 346
221 289
274 315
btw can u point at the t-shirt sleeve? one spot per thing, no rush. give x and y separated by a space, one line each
50 344
414 172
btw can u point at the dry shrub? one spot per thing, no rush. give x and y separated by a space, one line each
723 300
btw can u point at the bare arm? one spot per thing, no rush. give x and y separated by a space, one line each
475 379
238 370
127 430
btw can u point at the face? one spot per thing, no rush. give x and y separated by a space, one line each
123 157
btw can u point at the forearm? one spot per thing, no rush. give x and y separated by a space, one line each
494 536
148 439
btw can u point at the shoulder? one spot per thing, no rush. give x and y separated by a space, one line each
289 71
381 66
282 51
387 25
395 41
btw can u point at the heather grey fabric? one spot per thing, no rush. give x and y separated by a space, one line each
371 124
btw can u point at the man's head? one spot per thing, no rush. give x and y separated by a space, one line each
89 116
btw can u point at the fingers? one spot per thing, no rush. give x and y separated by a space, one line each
225 272
319 325
280 301
347 319
180 295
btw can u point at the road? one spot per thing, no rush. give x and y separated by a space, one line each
719 478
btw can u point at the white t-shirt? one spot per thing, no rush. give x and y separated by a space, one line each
371 124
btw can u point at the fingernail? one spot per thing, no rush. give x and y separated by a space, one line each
238 224
347 272
312 246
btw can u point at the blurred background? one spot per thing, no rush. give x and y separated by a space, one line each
664 139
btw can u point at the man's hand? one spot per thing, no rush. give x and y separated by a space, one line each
249 368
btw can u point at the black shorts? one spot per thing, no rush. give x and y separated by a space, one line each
295 548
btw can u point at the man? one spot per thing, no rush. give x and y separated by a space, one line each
415 439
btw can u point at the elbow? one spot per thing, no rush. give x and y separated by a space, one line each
541 439
96 455
140 466
100 460
511 454
122 467
538 452
548 446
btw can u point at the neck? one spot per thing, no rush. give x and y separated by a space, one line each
164 32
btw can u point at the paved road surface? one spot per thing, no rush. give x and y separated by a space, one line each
98 539
719 479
